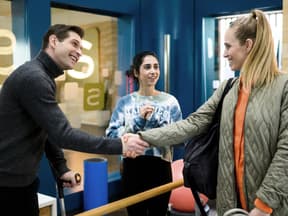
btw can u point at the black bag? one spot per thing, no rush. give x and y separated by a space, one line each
201 156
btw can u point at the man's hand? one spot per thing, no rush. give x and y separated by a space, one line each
258 212
133 145
71 179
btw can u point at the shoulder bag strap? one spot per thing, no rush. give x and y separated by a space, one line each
228 86
217 116
198 202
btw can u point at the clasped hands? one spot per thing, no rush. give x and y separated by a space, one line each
133 145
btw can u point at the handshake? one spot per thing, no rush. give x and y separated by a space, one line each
133 145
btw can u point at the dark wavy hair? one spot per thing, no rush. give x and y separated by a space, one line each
137 62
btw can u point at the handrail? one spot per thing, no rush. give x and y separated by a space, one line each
122 203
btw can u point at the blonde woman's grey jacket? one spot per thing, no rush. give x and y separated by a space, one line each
265 144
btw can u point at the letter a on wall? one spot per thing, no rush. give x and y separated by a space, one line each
93 96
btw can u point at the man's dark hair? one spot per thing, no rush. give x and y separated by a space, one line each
61 31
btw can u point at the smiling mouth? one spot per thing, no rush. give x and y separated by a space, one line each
74 59
152 79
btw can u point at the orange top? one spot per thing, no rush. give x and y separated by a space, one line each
239 149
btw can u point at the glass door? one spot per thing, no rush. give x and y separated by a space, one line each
88 93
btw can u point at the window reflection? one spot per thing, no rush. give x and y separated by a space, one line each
88 93
7 41
275 19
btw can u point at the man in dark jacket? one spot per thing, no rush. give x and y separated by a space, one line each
30 116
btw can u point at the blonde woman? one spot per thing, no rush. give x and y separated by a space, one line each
253 151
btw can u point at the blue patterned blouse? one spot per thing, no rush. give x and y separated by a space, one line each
126 117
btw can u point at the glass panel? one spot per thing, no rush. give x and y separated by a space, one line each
275 18
88 93
7 40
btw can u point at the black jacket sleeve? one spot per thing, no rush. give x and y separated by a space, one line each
56 159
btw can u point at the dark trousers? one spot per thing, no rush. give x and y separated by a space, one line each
20 200
143 173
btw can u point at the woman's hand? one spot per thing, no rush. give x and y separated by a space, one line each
133 145
146 111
